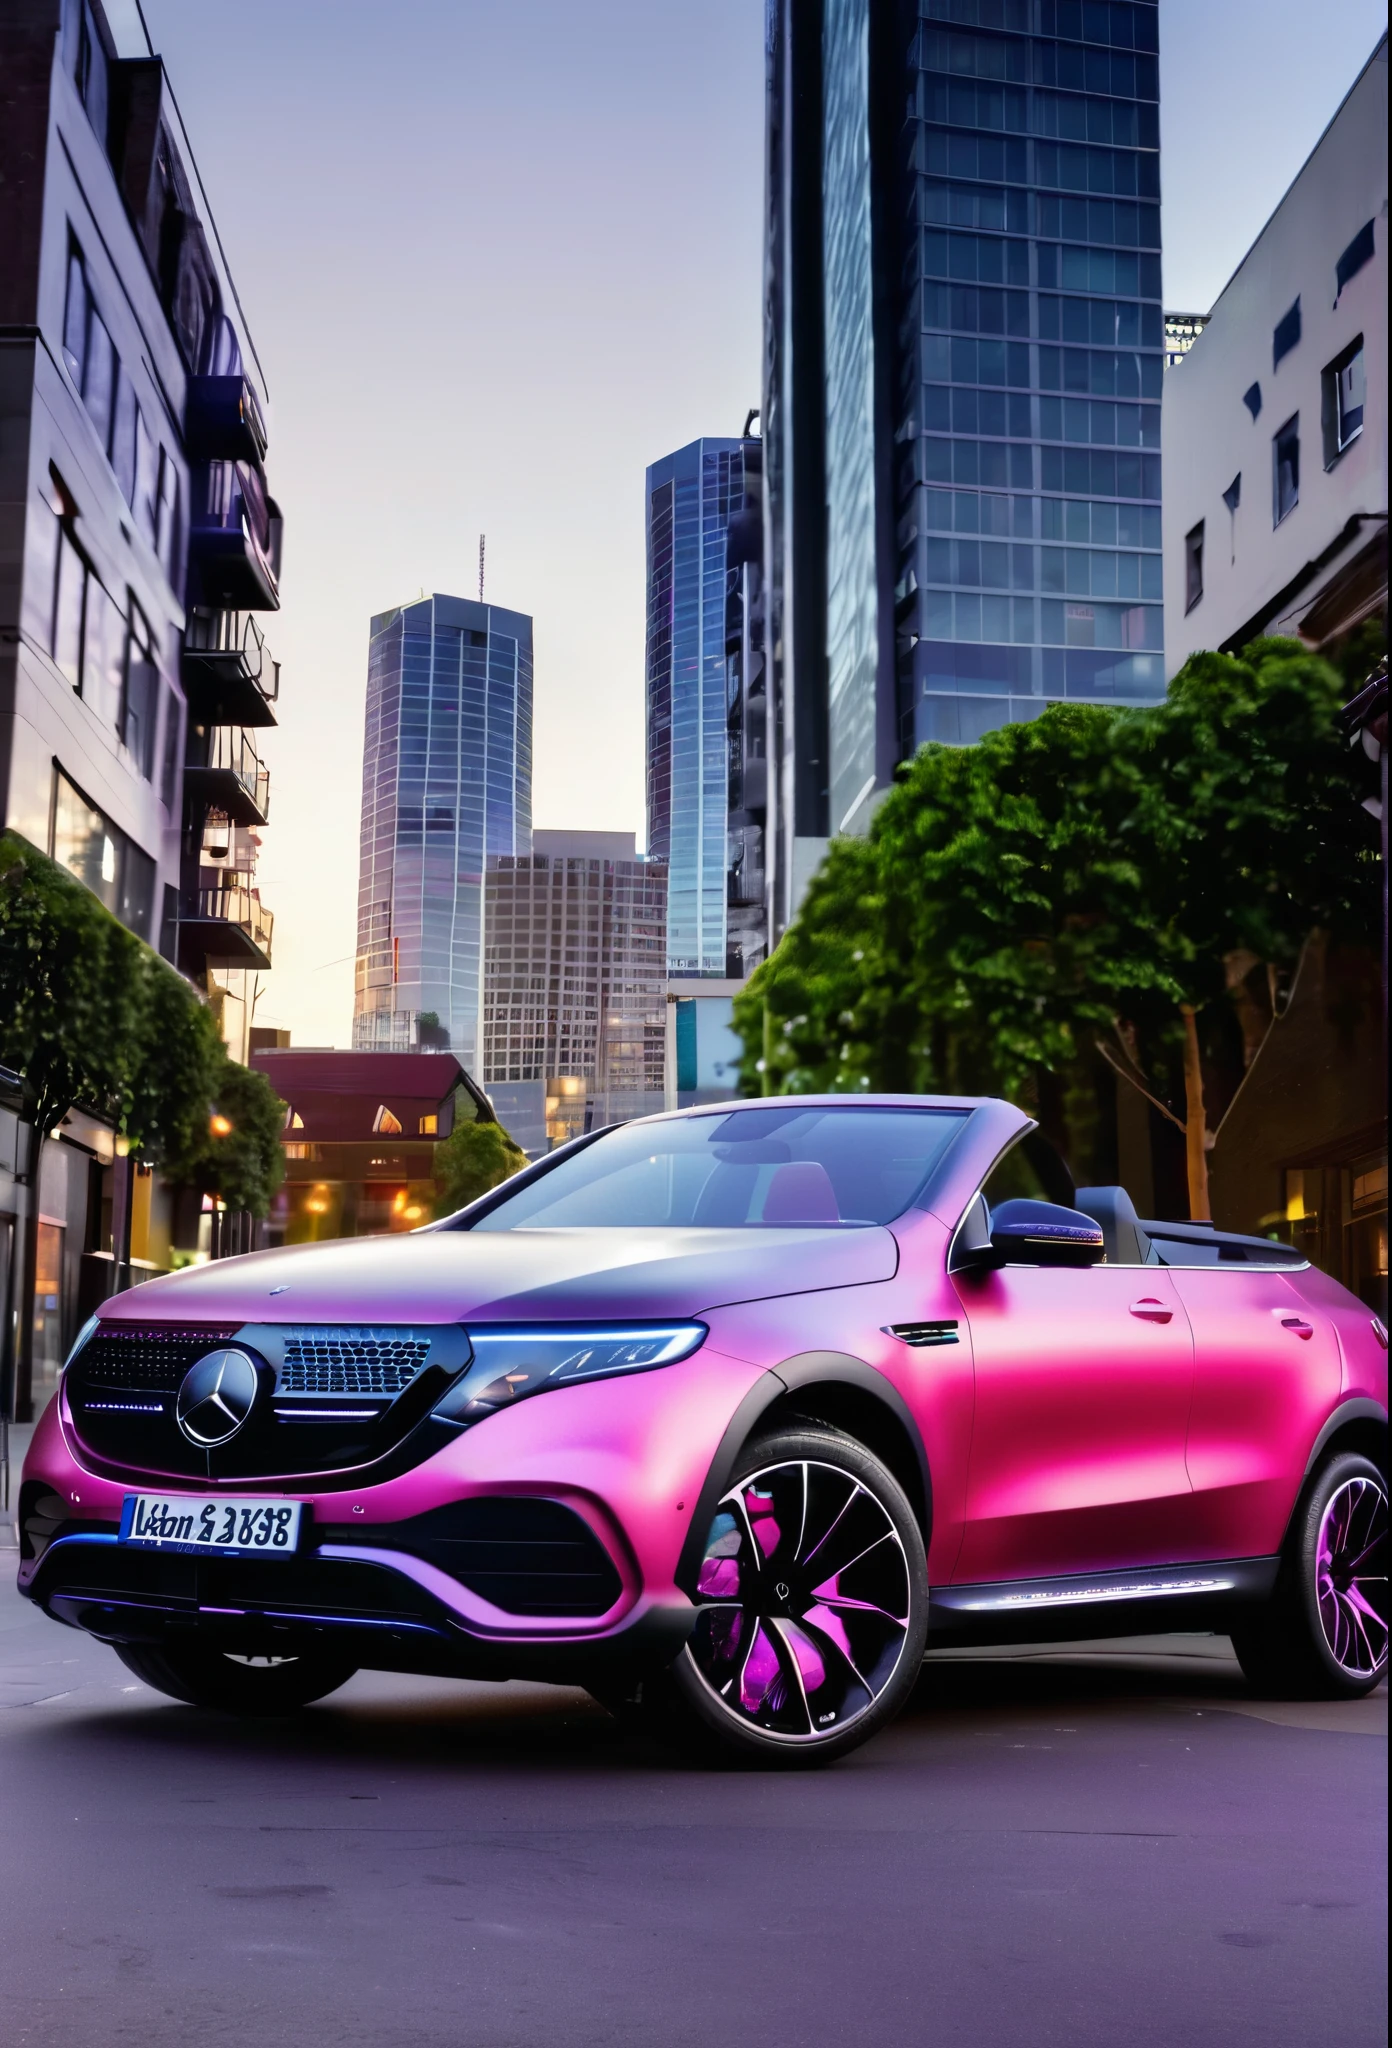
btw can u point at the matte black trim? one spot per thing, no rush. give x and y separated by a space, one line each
1360 1409
807 1369
381 1618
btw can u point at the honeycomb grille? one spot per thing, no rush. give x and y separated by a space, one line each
154 1359
348 1361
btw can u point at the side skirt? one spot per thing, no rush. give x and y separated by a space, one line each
1159 1600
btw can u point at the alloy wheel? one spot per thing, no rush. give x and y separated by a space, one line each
805 1598
1351 1575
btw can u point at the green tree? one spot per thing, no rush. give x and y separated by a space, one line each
1095 885
90 1015
474 1157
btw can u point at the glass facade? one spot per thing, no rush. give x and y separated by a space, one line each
964 347
852 627
1028 561
575 982
447 782
690 496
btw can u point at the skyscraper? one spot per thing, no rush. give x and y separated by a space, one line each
964 348
575 1002
690 497
447 781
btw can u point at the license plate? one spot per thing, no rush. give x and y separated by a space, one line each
182 1522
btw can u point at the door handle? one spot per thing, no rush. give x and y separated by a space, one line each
1151 1311
1298 1326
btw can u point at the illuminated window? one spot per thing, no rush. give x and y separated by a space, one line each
385 1123
430 1126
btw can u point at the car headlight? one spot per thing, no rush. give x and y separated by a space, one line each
511 1365
80 1339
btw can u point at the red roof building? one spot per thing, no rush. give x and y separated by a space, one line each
359 1138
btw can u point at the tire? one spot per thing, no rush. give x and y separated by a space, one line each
1324 1635
235 1685
814 1613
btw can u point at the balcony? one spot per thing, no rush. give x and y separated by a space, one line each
223 922
223 421
225 773
234 539
229 678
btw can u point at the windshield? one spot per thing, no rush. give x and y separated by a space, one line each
789 1167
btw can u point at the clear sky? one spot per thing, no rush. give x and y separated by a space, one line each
499 255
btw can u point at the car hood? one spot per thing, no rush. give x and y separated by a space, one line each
511 1276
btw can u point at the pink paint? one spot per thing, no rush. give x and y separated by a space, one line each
1072 1421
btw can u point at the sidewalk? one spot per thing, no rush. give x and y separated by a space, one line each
20 1433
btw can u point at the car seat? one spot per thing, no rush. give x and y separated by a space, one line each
801 1192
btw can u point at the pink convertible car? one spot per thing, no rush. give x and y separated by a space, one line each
726 1415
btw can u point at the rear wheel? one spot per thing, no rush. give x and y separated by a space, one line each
814 1608
1324 1635
202 1677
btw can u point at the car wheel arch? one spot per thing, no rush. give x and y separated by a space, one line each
838 1391
1356 1425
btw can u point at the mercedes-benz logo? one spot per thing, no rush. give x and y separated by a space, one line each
216 1397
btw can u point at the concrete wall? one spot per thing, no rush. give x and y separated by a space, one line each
1209 434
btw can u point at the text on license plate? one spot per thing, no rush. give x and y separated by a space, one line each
179 1521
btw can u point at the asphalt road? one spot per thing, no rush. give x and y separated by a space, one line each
1119 1849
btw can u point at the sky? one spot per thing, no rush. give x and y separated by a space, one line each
499 255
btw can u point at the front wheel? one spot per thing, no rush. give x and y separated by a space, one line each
1324 1635
813 1593
203 1677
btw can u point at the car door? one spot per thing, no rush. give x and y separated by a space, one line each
1267 1373
1084 1377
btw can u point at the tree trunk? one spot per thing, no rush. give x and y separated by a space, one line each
1195 1127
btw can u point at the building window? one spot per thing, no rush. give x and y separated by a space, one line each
1343 392
429 1126
1285 335
385 1123
140 708
1193 567
116 871
1285 469
1358 252
1251 398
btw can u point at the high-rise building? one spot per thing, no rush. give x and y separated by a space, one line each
746 700
964 351
447 781
138 542
575 964
691 496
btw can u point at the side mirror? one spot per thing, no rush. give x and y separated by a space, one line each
1026 1233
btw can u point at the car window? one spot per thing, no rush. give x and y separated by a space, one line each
1031 1169
774 1167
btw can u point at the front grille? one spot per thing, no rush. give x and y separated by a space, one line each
351 1395
349 1361
526 1556
152 1359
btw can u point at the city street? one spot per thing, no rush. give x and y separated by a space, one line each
1078 1848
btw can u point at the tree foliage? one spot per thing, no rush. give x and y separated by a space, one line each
89 1014
1096 889
472 1159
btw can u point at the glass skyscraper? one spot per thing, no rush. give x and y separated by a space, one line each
964 353
447 781
690 496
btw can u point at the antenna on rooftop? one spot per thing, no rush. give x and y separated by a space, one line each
483 542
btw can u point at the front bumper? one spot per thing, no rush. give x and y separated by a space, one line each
382 1572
